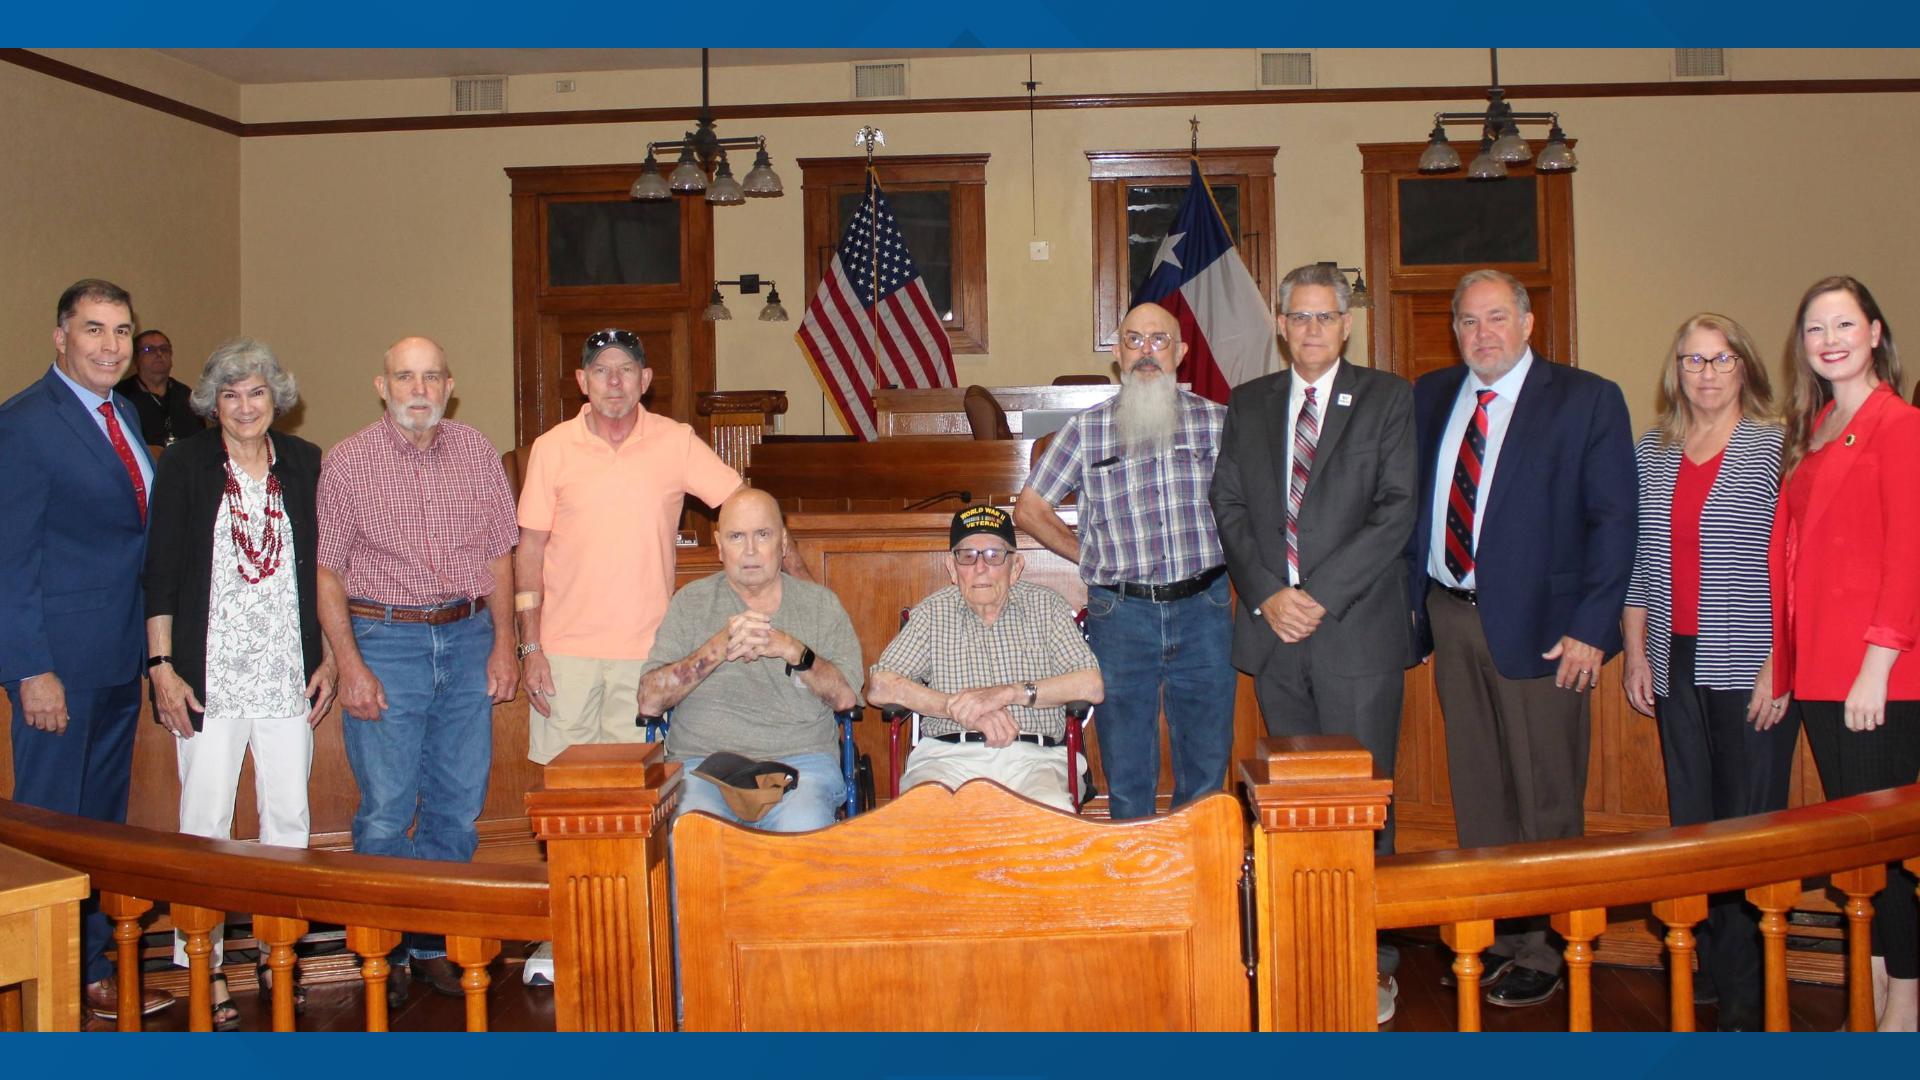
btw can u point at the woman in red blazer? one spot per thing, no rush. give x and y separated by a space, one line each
1845 560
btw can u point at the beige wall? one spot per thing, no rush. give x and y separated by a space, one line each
349 241
91 186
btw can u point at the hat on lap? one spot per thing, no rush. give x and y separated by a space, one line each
750 787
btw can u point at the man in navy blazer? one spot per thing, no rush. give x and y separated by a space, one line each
1518 567
72 621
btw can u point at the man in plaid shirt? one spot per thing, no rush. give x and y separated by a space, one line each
1159 614
416 535
989 664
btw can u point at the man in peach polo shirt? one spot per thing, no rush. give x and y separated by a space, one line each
594 572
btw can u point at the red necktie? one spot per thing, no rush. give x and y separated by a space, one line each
126 458
1306 435
1466 491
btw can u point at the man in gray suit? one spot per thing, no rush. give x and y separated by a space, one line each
1314 497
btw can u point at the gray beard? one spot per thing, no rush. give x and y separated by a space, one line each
1147 414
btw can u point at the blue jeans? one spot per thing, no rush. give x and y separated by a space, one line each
1179 648
424 762
810 804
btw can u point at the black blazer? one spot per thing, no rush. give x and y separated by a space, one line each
187 490
1354 520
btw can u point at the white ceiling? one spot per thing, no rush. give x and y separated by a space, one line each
252 66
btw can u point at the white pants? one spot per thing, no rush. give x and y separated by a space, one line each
210 778
594 701
1038 772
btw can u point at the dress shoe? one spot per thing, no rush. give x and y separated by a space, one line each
103 999
1522 987
399 982
1492 967
439 973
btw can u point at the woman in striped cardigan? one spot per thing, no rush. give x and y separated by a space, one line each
1698 617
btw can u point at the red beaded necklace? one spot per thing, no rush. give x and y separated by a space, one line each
268 555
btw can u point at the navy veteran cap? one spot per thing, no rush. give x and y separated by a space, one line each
981 519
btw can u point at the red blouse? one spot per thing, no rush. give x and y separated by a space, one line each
1690 490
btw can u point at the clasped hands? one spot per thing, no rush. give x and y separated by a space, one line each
1292 614
985 710
751 635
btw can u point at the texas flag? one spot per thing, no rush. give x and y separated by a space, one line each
1199 277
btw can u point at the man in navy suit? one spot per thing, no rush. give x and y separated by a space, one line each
72 621
1518 567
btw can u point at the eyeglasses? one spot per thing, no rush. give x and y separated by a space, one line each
1697 363
1299 319
1154 342
600 339
990 556
146 350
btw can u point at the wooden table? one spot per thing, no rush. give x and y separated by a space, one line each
39 943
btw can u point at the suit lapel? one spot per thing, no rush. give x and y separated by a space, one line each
81 424
1333 417
1277 416
1526 432
1841 455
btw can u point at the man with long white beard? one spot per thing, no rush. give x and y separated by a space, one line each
1158 608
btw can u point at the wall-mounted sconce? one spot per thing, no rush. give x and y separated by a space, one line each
1362 297
748 284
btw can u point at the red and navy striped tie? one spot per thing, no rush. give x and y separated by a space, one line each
1466 491
1306 434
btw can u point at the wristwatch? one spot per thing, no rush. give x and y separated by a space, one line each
529 649
1033 693
806 661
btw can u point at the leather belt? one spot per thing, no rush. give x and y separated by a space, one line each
1467 595
1168 593
440 615
974 736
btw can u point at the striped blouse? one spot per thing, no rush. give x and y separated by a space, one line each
1735 597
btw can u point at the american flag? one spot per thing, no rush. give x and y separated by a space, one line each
873 278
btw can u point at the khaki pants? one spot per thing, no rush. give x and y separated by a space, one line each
593 701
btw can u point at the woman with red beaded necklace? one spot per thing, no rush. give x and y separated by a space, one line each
237 660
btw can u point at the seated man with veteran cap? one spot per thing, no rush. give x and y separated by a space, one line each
753 664
989 664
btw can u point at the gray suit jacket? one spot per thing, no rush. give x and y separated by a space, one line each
1354 520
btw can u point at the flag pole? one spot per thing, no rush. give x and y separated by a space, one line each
870 136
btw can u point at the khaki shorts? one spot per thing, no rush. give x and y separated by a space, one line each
593 701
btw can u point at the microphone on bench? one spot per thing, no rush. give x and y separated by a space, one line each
963 496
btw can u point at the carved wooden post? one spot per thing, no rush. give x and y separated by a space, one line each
1580 927
277 935
1680 914
603 812
372 945
1775 902
473 955
125 911
1318 804
197 924
1467 940
1860 885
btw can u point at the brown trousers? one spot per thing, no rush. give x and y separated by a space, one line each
1516 752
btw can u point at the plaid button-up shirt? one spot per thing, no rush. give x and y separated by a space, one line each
412 527
946 647
1142 519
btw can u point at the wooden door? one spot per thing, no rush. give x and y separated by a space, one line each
587 256
1424 232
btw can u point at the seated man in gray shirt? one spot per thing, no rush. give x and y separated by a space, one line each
755 662
988 663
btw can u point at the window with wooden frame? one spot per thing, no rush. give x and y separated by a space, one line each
940 202
1136 194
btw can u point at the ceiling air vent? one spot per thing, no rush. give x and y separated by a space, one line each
1700 63
887 80
1286 68
480 94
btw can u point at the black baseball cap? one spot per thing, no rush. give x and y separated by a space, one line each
974 520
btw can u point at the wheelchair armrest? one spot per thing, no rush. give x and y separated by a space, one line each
848 716
894 714
1079 710
643 720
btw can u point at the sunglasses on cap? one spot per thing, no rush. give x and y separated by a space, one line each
600 339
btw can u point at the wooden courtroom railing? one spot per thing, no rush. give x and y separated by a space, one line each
1318 815
375 898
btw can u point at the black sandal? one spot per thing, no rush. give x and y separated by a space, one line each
265 976
226 1015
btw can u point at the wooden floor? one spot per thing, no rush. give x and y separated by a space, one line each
1624 999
